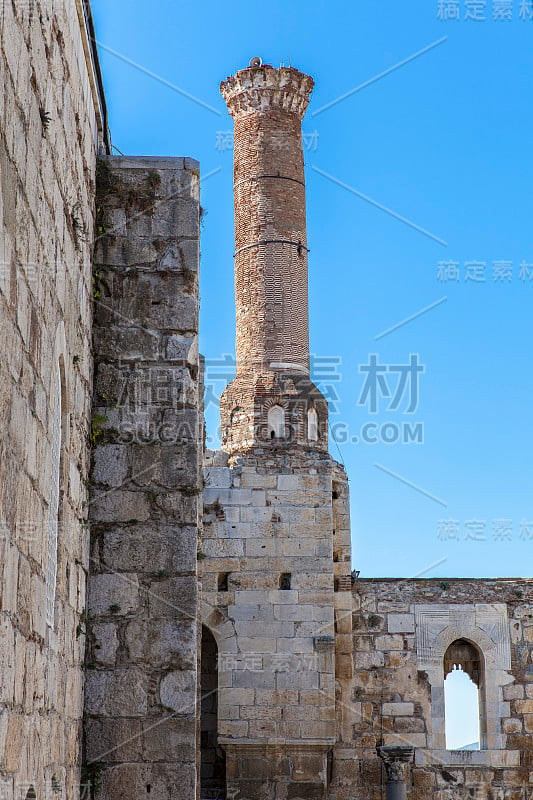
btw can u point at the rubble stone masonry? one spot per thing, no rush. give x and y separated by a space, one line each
402 631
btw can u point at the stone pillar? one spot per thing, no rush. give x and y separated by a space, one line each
271 295
141 670
396 760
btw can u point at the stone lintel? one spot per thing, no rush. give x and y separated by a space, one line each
475 758
153 162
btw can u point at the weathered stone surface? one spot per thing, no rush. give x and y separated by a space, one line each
116 693
105 643
177 692
171 741
146 467
50 133
114 593
111 465
146 548
119 506
110 740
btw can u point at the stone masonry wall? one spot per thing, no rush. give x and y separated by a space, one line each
401 631
268 597
50 122
141 669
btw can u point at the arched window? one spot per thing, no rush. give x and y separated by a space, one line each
276 422
463 701
312 425
56 417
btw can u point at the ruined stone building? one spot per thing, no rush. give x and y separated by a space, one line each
176 623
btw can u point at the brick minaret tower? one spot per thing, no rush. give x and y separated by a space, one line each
272 399
276 539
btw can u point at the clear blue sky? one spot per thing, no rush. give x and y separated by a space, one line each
443 142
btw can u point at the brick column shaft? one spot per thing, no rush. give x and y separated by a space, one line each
267 105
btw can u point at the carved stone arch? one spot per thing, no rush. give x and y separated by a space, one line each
220 626
31 794
464 654
475 635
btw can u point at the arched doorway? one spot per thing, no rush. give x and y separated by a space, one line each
213 763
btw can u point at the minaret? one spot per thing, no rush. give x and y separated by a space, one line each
275 572
272 399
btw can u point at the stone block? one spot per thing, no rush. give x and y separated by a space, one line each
296 613
297 681
105 643
113 740
289 482
254 679
233 729
392 642
134 344
113 593
409 725
401 623
116 693
119 506
177 692
173 740
111 464
150 549
217 477
318 729
162 643
12 743
524 706
403 739
173 597
124 781
173 466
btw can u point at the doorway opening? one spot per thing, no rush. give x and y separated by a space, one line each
213 760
